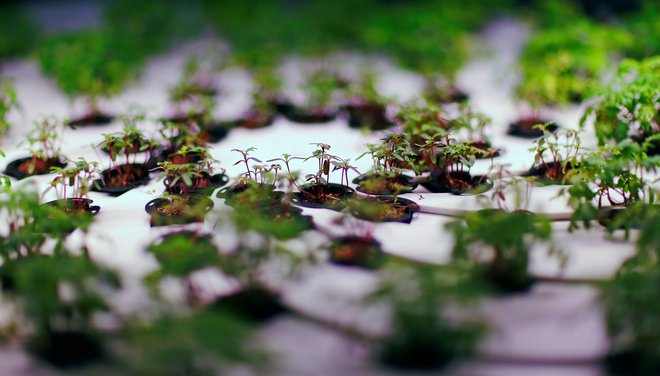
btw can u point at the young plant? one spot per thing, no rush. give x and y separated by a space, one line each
386 175
43 140
500 242
471 126
450 163
422 122
72 184
630 106
555 154
507 185
613 175
187 178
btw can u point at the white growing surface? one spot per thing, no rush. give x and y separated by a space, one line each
545 332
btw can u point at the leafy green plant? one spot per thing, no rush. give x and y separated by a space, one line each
18 32
183 179
644 26
631 302
613 175
630 105
44 148
563 64
500 242
89 63
8 103
424 333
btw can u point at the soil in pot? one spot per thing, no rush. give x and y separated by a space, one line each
330 196
550 174
66 349
524 127
92 119
178 209
367 115
116 181
384 209
25 167
203 185
364 252
253 303
311 116
458 183
382 185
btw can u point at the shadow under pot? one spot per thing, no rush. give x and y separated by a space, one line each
524 127
457 183
375 184
177 210
66 349
363 252
91 120
30 166
329 196
384 209
311 116
372 116
202 185
76 206
255 304
552 173
121 179
260 196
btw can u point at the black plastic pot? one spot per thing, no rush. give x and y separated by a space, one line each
216 181
255 120
75 203
307 116
13 171
66 349
213 133
400 179
329 196
407 207
196 207
523 128
255 304
356 251
540 171
437 184
91 120
367 115
100 185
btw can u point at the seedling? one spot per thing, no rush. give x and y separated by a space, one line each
73 183
43 140
555 153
